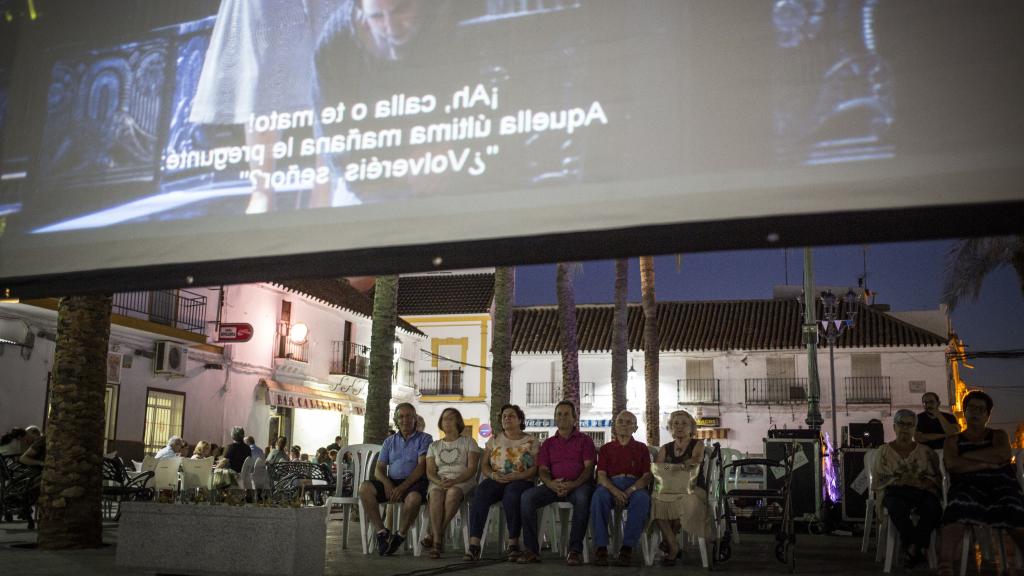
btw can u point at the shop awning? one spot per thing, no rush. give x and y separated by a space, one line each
295 396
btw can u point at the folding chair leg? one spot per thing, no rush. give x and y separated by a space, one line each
965 549
883 533
891 546
702 543
933 557
869 519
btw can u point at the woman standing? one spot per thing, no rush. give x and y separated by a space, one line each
983 487
907 478
680 502
451 469
508 470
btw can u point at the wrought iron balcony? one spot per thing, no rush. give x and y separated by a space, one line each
441 382
296 352
550 393
179 309
350 359
699 391
775 390
868 390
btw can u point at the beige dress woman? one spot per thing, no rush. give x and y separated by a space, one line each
679 490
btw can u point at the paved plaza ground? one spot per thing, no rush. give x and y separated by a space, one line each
822 554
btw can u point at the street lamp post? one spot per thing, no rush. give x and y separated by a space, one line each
830 327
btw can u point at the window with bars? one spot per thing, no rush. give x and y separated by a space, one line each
165 415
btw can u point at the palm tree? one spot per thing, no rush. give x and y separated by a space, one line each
382 338
501 343
652 344
970 261
72 482
567 339
620 327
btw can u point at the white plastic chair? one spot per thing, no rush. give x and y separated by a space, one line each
339 507
870 457
556 526
148 464
166 477
497 514
196 474
260 474
245 476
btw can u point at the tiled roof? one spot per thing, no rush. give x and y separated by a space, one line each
445 294
722 325
340 294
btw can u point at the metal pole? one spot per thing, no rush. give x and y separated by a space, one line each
832 367
810 330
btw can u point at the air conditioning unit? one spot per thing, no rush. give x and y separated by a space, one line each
171 358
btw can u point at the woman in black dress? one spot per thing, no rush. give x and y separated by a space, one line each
983 484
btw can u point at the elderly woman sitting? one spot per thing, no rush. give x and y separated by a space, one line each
983 487
680 493
907 478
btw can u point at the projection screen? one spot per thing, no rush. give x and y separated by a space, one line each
146 141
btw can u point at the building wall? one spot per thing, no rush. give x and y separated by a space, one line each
747 424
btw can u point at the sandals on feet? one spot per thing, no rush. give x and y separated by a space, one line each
435 552
473 554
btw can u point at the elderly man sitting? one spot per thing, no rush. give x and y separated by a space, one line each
623 473
174 447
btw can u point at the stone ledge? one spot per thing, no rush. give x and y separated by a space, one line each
205 539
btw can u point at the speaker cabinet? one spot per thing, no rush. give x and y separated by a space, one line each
807 481
854 502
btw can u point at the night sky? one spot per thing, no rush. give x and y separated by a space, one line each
907 276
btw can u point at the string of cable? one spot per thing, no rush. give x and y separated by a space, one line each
1004 354
439 570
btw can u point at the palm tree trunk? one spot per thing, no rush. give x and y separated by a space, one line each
382 342
501 343
620 316
72 483
567 338
652 345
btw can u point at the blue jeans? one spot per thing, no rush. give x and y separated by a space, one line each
489 492
638 507
538 497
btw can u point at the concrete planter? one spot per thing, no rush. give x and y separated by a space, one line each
205 539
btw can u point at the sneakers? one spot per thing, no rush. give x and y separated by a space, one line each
601 556
394 543
383 537
625 556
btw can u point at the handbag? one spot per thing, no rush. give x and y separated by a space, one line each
675 478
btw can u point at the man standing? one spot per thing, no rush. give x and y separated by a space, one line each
933 426
623 473
566 467
173 448
400 477
336 445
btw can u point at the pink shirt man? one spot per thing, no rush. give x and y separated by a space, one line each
565 456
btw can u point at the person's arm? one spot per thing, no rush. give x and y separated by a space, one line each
544 473
697 456
474 460
485 466
432 471
998 454
957 464
660 457
30 457
585 475
645 479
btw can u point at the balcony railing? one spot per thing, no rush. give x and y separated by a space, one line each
699 391
405 372
868 390
543 393
441 382
775 390
550 393
296 352
179 309
350 359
